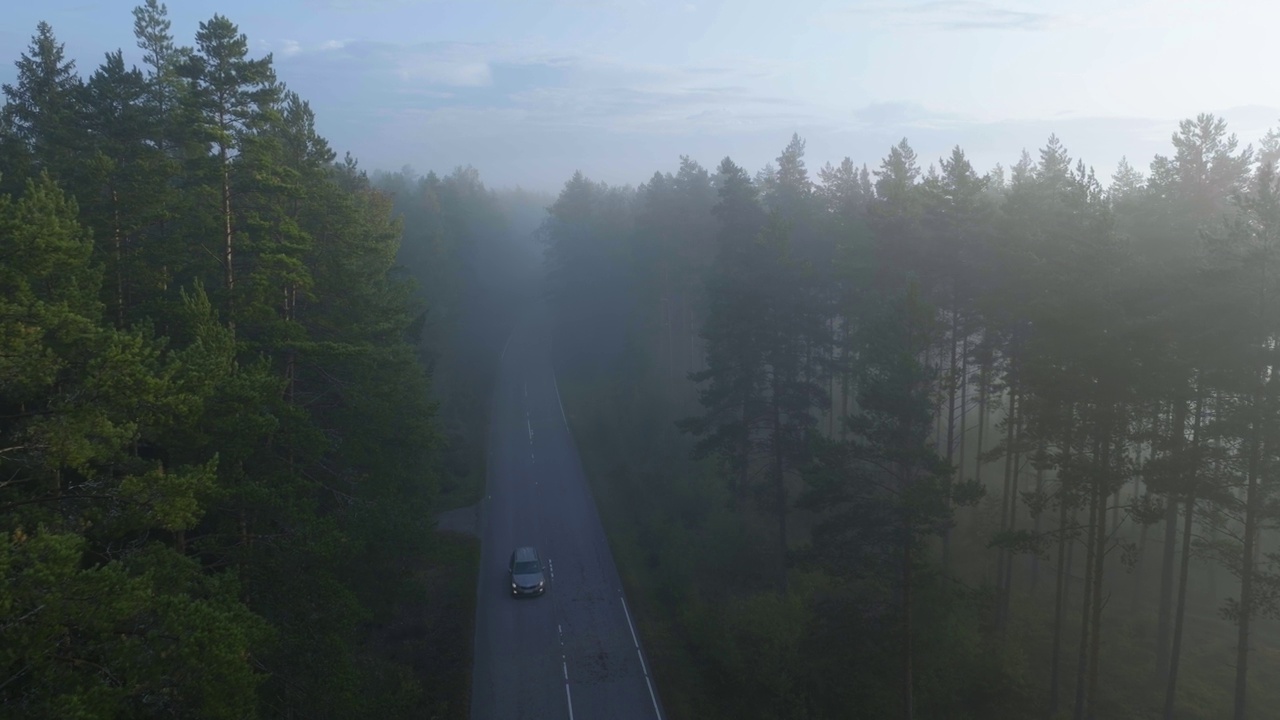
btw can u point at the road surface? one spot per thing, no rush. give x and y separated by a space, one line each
573 652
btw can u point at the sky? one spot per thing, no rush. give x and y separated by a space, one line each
529 91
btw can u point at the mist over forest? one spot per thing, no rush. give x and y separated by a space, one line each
869 437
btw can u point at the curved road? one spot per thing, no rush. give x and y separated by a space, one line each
573 652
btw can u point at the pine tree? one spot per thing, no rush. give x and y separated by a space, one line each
734 382
88 411
1242 263
126 180
957 215
42 109
884 491
229 94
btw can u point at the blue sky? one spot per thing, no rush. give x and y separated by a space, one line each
528 91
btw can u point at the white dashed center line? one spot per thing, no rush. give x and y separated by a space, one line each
568 696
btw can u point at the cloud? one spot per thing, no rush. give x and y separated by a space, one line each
487 89
602 4
454 73
954 15
525 112
392 68
362 5
655 109
902 115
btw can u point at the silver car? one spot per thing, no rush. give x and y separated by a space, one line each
526 572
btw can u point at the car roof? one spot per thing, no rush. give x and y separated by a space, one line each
525 553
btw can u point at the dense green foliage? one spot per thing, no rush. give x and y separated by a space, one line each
918 442
910 442
219 455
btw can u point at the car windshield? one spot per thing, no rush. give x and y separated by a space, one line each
528 567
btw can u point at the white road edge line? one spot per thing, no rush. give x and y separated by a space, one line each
633 627
640 655
653 697
558 401
568 697
505 344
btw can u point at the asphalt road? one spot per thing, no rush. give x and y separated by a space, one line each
572 652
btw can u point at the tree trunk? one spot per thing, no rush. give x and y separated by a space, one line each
1003 557
1172 686
831 378
118 236
1247 561
1188 525
951 429
226 220
1118 451
779 485
937 405
964 402
1041 452
738 489
1090 581
908 691
1013 509
1139 570
982 415
1164 622
1061 592
846 372
1099 566
244 555
693 352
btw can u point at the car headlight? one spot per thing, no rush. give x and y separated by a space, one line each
513 586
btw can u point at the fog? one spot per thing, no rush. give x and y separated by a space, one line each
919 359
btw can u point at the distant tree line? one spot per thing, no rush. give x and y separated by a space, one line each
917 395
471 253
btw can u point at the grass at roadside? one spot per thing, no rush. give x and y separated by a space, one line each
462 490
463 470
445 651
433 633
